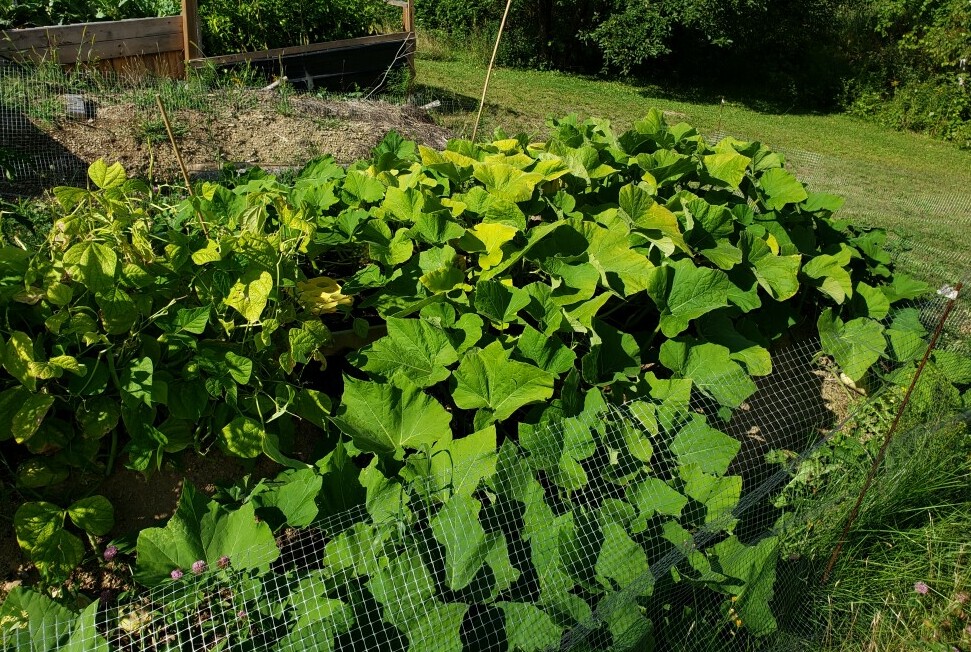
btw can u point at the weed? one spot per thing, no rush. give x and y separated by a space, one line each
152 130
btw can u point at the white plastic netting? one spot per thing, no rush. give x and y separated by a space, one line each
652 525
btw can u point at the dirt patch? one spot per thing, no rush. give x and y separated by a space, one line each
258 128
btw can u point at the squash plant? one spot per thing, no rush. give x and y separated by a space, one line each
512 279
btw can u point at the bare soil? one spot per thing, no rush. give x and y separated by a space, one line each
258 128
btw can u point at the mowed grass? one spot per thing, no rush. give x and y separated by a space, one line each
915 186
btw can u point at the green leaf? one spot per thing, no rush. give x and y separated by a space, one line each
59 294
95 515
85 636
137 382
529 628
654 496
391 250
870 302
405 205
698 443
506 182
855 345
713 371
105 176
754 568
905 287
778 275
340 489
244 437
32 622
385 418
18 355
658 223
456 526
620 559
363 188
488 379
239 368
728 167
781 188
956 367
239 535
93 264
30 415
296 498
468 462
548 353
36 521
625 270
412 347
546 313
160 550
316 614
498 302
118 311
250 294
211 253
404 587
695 291
193 320
57 556
831 276
559 448
614 355
719 495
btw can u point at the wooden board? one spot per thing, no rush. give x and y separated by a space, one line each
88 42
338 65
281 53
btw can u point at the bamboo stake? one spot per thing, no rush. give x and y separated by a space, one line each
492 61
855 512
178 157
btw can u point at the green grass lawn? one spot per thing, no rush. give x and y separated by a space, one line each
914 185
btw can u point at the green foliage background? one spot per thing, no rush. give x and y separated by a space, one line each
894 61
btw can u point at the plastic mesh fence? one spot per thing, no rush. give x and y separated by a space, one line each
653 525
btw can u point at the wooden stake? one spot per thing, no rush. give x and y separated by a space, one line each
178 157
191 47
485 87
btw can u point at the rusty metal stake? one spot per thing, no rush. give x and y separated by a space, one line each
855 512
178 157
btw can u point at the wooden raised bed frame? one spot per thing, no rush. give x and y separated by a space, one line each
166 46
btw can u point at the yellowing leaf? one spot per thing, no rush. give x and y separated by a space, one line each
492 237
250 294
105 176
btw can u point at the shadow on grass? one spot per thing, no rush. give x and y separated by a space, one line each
754 99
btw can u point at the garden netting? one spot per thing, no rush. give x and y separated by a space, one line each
570 539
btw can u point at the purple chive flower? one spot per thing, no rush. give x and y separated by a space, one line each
199 567
961 598
223 562
921 588
241 614
110 553
177 574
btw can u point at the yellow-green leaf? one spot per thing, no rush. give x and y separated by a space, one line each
250 294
